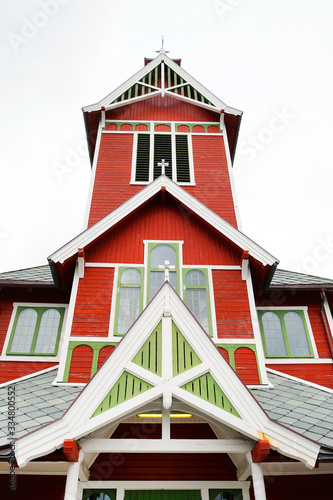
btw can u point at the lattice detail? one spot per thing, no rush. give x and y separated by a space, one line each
183 356
127 387
150 355
205 387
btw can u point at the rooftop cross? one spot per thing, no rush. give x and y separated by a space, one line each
162 51
166 268
163 164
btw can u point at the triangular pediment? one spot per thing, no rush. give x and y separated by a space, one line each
189 204
165 359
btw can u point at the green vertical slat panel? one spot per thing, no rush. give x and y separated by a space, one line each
162 149
136 88
156 77
175 82
195 94
149 356
183 356
142 158
149 80
207 388
169 76
182 88
182 159
126 387
189 92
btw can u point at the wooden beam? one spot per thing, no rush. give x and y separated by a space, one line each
260 451
71 450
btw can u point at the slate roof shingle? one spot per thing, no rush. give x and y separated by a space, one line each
32 274
289 278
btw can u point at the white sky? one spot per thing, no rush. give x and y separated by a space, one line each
271 59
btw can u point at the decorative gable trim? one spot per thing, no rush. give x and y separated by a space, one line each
168 308
191 203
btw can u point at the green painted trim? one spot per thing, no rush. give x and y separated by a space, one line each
232 348
202 287
281 314
175 246
39 311
93 494
96 346
133 124
201 124
206 388
149 356
127 387
119 285
184 356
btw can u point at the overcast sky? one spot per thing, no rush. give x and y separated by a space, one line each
270 58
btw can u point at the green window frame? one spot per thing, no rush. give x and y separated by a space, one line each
33 329
225 494
152 148
196 296
285 334
155 277
99 494
129 299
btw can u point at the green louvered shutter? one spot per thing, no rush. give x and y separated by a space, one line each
142 158
182 159
162 149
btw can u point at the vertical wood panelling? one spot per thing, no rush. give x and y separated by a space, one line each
246 365
164 221
81 363
233 316
93 303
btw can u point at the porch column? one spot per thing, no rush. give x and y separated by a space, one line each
73 478
257 478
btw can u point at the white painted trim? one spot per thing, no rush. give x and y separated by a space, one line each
298 361
185 198
328 314
281 308
184 266
67 327
211 293
256 330
238 341
92 177
296 379
31 357
76 422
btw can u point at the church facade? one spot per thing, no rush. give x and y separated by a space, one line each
162 354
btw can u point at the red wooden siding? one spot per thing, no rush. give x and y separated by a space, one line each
113 174
166 109
321 374
93 303
159 467
33 487
224 353
10 370
82 358
246 365
104 354
168 221
232 305
213 187
305 487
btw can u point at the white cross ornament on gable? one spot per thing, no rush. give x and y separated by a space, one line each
163 164
166 268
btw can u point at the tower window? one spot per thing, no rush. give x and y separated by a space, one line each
129 299
151 149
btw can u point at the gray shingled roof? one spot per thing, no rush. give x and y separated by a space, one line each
40 274
289 278
303 408
37 403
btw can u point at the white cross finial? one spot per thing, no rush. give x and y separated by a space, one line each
163 164
166 268
162 51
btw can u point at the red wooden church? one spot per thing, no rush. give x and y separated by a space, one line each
162 355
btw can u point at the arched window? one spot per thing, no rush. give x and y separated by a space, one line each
159 254
196 297
275 343
285 333
36 331
129 299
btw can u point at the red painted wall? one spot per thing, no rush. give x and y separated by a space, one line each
169 221
246 366
321 374
232 305
34 487
93 303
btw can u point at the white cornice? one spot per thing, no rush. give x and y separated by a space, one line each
226 229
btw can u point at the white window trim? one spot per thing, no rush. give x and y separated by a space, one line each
203 486
304 309
31 357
